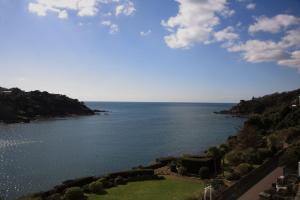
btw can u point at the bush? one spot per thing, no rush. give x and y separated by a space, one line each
119 181
234 157
55 196
74 193
243 169
217 184
204 172
231 176
96 187
132 173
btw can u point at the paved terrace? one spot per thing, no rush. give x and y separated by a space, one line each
262 185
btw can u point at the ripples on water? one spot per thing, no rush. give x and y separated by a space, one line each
39 155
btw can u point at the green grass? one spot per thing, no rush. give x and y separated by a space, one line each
168 189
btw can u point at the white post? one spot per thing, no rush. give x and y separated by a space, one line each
210 192
298 168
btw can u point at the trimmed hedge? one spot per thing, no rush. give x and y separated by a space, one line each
193 164
132 173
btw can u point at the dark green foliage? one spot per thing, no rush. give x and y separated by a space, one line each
250 136
18 106
291 156
234 157
265 104
224 148
204 172
96 187
243 169
193 164
119 181
231 176
217 184
275 142
74 193
55 196
132 173
292 133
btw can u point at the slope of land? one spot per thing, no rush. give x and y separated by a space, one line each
20 106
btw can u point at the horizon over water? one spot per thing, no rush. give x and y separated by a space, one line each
36 156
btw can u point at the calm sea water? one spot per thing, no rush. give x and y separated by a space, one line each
39 155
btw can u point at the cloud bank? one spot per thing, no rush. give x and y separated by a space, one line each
195 22
198 22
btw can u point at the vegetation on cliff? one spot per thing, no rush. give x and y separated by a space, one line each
20 106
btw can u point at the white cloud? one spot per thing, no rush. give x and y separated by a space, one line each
81 7
274 24
251 6
63 14
113 28
226 34
291 39
145 33
285 52
256 51
127 8
293 61
195 22
37 9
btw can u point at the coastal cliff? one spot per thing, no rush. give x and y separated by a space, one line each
265 104
19 106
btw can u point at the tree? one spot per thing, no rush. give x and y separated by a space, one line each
215 153
290 157
204 172
274 142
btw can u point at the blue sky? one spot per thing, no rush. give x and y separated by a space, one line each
151 50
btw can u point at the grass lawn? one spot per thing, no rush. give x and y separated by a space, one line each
168 189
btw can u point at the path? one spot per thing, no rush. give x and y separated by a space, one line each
263 184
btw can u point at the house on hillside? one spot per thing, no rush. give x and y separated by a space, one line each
296 103
5 92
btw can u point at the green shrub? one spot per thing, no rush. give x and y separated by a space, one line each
74 193
234 157
263 153
217 184
85 188
132 173
243 169
119 181
55 196
231 176
96 187
204 172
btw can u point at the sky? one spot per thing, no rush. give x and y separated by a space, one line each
151 50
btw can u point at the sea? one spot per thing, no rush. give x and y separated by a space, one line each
37 156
